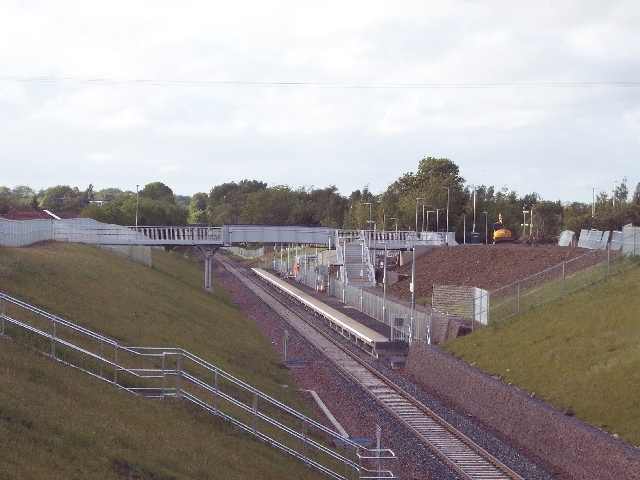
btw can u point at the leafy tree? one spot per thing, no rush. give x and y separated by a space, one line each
329 206
110 193
62 198
198 208
621 193
158 191
183 200
436 184
227 200
22 191
269 206
96 212
547 220
636 195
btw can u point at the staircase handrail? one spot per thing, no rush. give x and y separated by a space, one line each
155 374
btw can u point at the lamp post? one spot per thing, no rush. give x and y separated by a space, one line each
394 218
368 203
524 220
593 208
474 209
418 199
384 285
448 192
423 224
486 228
438 219
137 185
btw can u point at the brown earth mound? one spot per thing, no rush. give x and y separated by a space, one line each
490 266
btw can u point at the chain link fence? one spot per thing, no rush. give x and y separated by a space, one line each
553 283
406 323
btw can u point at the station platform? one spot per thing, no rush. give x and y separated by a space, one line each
366 332
333 302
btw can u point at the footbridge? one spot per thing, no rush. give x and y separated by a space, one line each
353 246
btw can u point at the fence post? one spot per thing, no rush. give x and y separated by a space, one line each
304 438
215 392
53 340
178 392
255 413
563 280
115 364
608 260
518 296
101 355
2 312
164 355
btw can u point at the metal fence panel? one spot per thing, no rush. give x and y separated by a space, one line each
14 233
553 283
566 238
630 240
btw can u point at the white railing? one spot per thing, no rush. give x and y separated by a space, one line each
174 372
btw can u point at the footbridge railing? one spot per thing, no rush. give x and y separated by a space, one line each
173 372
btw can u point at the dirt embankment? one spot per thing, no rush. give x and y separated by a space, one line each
489 266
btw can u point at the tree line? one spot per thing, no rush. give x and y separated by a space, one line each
415 201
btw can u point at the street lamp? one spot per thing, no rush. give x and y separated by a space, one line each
384 286
417 199
394 218
425 205
137 185
593 208
448 192
368 203
428 212
486 228
524 220
438 219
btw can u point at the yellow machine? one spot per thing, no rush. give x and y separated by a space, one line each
501 234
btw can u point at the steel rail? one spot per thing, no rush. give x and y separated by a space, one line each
466 457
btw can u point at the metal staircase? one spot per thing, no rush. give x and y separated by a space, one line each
354 255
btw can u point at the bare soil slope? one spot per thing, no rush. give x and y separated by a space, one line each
489 266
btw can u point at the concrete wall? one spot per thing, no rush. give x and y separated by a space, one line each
566 446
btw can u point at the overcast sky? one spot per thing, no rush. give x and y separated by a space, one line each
535 96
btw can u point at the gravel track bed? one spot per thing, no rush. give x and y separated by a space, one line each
355 410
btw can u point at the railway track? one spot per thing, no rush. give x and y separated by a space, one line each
460 452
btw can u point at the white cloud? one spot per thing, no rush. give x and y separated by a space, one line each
234 132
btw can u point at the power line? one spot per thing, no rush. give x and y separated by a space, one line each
254 84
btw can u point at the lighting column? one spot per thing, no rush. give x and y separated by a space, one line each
486 228
137 185
417 200
448 192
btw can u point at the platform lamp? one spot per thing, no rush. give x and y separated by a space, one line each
417 200
486 228
448 192
384 285
394 218
137 185
423 224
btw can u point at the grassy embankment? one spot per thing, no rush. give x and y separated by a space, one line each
57 422
581 351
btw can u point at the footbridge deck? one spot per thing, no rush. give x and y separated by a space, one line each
86 230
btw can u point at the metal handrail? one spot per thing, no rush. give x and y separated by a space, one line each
185 380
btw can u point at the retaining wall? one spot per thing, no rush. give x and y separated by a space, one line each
567 447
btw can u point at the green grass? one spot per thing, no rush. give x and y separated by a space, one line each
506 302
56 422
581 351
